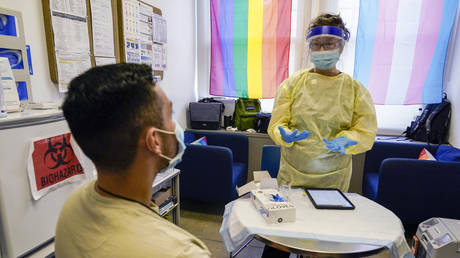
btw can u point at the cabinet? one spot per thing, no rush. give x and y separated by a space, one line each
171 208
27 225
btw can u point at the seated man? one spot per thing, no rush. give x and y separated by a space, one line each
122 122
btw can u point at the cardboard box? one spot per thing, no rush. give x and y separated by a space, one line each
262 180
273 207
266 198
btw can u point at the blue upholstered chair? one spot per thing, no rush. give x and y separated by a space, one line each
415 190
211 172
271 159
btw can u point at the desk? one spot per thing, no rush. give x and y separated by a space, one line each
367 229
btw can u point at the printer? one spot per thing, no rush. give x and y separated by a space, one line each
437 238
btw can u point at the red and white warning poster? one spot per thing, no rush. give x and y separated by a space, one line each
52 162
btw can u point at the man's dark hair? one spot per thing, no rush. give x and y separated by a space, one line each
106 109
327 19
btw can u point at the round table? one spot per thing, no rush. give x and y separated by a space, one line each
368 229
319 248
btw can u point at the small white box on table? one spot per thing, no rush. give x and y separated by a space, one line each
273 207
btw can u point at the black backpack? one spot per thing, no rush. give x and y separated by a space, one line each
262 121
432 125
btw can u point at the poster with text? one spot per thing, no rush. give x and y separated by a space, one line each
53 162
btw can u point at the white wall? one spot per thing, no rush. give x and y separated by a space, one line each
452 82
179 79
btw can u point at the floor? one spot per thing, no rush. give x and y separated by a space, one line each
204 222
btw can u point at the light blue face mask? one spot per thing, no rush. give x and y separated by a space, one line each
325 60
179 132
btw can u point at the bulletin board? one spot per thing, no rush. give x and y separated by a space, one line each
81 34
142 35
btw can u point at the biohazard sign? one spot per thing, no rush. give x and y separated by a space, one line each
52 163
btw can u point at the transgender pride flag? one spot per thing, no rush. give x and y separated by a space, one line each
249 47
401 49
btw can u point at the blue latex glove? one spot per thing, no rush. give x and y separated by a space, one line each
339 144
294 136
278 198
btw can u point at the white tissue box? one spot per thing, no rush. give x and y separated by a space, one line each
273 211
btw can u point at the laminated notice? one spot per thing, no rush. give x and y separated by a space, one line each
52 163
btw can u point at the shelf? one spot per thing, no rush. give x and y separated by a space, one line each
164 177
30 117
171 178
170 209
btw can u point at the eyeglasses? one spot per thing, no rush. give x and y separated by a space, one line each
325 45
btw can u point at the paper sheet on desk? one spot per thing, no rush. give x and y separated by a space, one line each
369 223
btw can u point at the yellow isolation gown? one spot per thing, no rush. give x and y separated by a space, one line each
328 107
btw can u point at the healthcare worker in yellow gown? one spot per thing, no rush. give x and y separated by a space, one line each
322 116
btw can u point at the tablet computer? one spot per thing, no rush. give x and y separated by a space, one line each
329 198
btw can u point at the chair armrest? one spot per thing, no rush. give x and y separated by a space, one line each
383 150
416 190
238 143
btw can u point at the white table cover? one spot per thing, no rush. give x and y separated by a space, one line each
369 223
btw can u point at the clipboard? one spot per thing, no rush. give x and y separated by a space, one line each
329 198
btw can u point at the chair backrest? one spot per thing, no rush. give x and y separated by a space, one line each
271 159
416 190
189 137
389 149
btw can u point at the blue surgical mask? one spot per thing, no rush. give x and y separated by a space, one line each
179 132
325 60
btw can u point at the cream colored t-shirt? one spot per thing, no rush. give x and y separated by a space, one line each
92 225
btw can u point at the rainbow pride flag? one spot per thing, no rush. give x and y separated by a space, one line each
401 49
249 47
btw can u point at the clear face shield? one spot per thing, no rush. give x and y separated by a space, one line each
325 44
